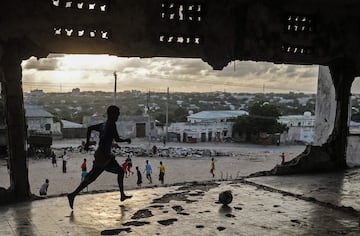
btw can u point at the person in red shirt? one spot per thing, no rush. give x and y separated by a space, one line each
125 168
129 165
83 170
282 158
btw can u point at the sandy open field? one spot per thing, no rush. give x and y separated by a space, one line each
243 160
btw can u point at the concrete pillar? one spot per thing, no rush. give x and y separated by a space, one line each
15 116
342 76
325 107
331 133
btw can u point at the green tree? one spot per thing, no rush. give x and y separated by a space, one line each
138 112
161 117
180 114
242 125
262 118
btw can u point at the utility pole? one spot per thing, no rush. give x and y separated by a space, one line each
115 76
149 124
167 116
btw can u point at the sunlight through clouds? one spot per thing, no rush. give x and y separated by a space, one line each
95 72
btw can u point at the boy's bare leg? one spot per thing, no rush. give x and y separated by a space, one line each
89 178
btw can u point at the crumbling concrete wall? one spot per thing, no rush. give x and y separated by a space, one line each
325 107
325 117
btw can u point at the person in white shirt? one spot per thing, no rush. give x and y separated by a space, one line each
65 160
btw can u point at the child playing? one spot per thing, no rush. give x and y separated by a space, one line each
212 167
125 168
44 187
139 177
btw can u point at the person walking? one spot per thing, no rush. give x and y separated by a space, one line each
53 159
129 165
44 188
65 158
212 167
104 159
164 140
154 150
148 171
139 177
162 172
124 166
282 158
83 170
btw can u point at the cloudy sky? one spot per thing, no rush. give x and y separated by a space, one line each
89 73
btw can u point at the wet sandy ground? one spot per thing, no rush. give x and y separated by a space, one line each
322 204
179 210
340 189
245 159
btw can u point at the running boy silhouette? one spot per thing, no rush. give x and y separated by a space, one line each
104 159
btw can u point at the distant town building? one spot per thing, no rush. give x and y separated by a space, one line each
215 116
307 119
205 126
75 91
73 130
193 107
128 126
179 102
40 120
300 128
36 92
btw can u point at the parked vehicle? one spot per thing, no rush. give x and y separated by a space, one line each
39 144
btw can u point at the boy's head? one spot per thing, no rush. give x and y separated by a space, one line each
113 112
137 168
47 181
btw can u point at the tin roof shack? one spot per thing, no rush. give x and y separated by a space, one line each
137 126
128 126
40 120
40 130
73 130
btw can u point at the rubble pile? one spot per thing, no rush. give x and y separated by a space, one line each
169 152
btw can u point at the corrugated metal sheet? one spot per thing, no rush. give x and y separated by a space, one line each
70 125
36 111
217 114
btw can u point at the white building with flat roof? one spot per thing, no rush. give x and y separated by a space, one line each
206 126
301 128
215 116
307 119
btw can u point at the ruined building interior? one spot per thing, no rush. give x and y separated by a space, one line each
219 32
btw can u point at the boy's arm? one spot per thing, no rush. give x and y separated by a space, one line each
88 133
118 139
